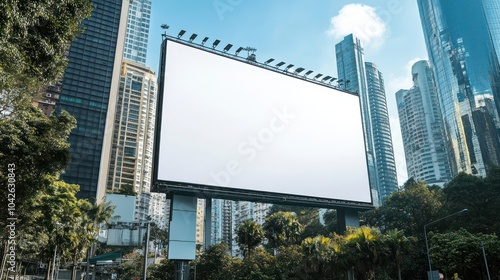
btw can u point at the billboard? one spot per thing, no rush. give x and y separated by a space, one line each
232 129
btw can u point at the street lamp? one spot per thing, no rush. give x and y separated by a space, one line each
427 243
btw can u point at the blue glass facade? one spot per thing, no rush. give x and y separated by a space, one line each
136 39
85 94
492 13
381 130
357 76
462 42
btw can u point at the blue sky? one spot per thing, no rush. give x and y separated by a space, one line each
304 33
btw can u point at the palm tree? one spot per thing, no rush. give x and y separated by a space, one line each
94 215
320 258
282 229
249 236
399 245
365 250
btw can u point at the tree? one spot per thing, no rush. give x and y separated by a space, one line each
409 209
94 215
331 221
461 252
165 270
481 196
256 266
34 146
249 235
57 212
132 268
216 264
287 262
365 250
282 229
126 189
399 246
320 259
308 217
34 36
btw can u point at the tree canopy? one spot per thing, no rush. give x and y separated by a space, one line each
34 36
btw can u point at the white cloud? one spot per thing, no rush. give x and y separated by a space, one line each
362 21
403 80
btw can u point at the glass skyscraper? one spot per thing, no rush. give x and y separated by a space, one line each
462 39
422 128
381 130
364 78
89 88
136 39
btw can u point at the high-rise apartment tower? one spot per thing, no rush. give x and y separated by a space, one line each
422 128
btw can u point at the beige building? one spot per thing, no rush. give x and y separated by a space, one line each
133 132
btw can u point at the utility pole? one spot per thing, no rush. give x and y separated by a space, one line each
146 251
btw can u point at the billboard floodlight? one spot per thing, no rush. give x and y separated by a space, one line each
238 51
280 64
164 26
204 41
298 70
308 73
181 33
288 67
216 42
333 79
317 76
340 81
269 61
193 37
227 47
326 78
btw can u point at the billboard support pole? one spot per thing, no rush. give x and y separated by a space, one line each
182 237
347 217
208 224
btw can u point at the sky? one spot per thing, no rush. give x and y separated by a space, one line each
304 33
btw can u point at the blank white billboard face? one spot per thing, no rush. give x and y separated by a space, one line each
229 124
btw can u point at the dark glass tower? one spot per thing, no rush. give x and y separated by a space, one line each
462 43
89 88
357 76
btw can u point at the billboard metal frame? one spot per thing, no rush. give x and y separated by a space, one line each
209 191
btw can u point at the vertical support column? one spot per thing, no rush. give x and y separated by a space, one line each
182 238
207 238
146 252
181 270
347 217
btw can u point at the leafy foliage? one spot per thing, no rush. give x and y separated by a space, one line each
409 209
37 147
216 264
249 235
481 196
34 35
282 229
461 252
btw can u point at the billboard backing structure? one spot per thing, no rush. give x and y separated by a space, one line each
229 129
